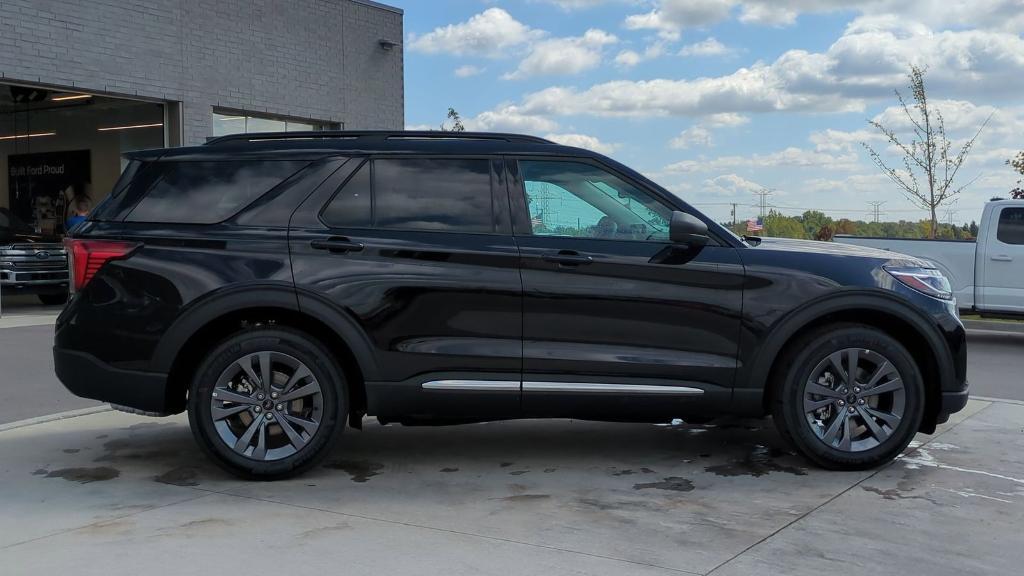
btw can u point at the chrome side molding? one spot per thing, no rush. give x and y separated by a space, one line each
473 385
599 388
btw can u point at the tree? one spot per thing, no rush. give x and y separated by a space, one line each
1017 163
457 125
927 157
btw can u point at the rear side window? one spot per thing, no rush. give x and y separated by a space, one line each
1011 226
207 192
433 194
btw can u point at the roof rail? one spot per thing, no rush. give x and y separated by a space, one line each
376 135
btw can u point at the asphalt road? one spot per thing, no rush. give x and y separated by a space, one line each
28 387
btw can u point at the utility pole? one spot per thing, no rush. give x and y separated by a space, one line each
764 193
734 214
876 205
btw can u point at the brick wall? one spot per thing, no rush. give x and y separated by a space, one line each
317 59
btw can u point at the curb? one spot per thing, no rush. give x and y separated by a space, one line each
1000 400
54 417
992 326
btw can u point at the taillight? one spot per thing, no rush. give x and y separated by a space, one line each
86 257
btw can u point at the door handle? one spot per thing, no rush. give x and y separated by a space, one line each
1002 258
337 245
567 258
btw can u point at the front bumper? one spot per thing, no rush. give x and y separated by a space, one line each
86 376
950 403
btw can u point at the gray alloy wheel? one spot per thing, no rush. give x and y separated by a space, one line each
266 406
854 400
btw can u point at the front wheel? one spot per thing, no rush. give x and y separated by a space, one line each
267 403
851 397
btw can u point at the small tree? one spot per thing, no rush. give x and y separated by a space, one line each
1017 163
457 125
927 157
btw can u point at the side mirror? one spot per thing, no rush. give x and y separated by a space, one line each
687 229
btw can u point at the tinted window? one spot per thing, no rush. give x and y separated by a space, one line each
207 192
350 207
1011 226
580 200
433 194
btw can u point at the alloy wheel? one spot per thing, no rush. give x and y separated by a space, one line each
854 399
266 406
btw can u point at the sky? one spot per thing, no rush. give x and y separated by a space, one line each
718 99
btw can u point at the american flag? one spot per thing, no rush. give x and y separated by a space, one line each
755 225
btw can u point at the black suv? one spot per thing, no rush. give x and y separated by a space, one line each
277 285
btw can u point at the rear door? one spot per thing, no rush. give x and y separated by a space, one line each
618 322
417 252
1002 285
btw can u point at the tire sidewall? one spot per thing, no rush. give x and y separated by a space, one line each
806 359
293 343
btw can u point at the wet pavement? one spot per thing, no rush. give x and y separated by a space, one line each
110 493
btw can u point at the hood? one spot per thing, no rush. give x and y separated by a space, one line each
837 249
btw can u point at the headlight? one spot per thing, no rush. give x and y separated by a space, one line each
925 280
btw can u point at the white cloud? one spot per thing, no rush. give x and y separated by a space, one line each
671 16
564 55
510 118
729 185
692 136
491 33
468 70
630 58
583 141
726 120
791 157
708 47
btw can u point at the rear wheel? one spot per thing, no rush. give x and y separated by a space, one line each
267 403
851 397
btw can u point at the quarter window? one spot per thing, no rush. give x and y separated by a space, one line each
207 192
582 201
1011 226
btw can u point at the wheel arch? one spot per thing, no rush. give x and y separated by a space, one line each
883 311
217 317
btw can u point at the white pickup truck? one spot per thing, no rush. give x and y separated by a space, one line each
987 276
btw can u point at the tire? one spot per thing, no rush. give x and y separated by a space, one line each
249 438
53 299
815 401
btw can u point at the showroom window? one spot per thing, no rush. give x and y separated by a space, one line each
225 123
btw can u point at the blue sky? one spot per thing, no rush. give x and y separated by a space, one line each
716 99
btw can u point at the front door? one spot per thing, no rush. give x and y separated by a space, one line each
1002 278
618 322
418 254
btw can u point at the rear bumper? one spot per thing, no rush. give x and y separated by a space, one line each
86 376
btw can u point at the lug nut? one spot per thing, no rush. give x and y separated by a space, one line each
258 409
841 403
260 396
280 406
856 390
852 410
861 401
214 394
270 416
273 395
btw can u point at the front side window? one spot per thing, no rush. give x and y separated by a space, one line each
444 194
1011 226
580 200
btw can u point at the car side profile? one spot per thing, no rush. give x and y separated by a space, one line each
279 286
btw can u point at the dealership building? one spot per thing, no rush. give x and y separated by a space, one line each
82 82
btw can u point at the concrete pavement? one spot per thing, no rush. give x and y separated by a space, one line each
111 493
